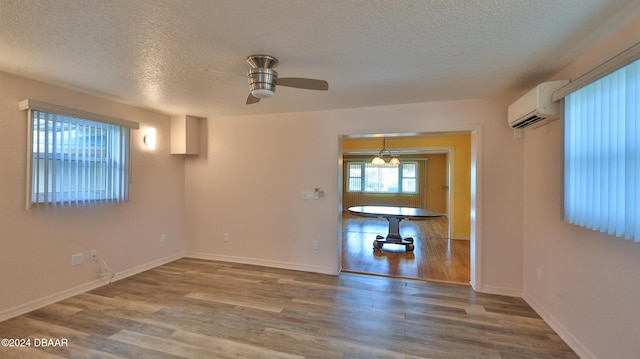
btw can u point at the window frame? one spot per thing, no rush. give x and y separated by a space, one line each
122 127
363 177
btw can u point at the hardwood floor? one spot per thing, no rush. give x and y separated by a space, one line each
435 257
205 309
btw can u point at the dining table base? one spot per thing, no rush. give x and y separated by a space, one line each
406 242
394 236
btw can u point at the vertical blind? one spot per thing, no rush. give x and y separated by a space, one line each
74 160
354 194
382 178
602 154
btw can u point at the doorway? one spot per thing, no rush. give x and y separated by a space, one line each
442 245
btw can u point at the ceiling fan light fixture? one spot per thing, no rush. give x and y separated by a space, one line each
262 93
394 161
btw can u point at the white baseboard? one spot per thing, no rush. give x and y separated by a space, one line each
262 262
565 334
50 299
509 292
144 267
67 293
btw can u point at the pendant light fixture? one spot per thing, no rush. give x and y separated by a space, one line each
379 159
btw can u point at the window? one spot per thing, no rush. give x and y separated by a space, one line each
602 154
385 178
75 157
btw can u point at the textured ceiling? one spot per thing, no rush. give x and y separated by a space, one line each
150 53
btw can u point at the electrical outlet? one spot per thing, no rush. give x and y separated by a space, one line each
163 237
106 274
93 255
538 273
316 245
77 259
226 237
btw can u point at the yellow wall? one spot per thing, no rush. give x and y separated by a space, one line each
436 179
461 171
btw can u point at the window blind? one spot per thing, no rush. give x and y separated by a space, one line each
615 63
383 178
76 160
602 154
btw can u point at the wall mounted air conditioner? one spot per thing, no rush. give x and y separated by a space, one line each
535 105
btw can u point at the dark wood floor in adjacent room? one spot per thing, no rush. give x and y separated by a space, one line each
435 256
204 309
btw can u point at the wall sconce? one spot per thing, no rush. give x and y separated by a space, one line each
150 139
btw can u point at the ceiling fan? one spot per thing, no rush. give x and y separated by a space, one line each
263 79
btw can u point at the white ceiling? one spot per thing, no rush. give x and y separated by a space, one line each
149 53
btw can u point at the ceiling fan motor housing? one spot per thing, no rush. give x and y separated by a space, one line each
262 82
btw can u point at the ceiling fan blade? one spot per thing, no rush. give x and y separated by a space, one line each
214 71
252 99
223 72
303 83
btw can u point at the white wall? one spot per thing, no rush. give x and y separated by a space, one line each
249 183
36 245
590 284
